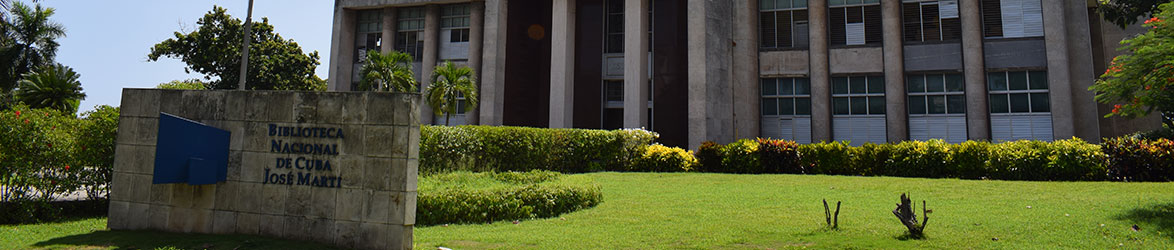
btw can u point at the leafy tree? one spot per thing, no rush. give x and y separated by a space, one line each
214 49
95 137
189 84
29 42
388 72
55 87
448 83
1141 81
1125 12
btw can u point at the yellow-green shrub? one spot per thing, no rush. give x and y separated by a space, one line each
659 158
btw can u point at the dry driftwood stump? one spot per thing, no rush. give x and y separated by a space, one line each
904 212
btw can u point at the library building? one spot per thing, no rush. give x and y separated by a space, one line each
864 71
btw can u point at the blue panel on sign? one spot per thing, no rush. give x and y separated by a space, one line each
190 152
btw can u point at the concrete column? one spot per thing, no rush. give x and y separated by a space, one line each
821 94
562 64
390 15
1083 74
431 54
896 113
747 117
710 59
343 45
476 33
493 67
636 63
978 115
1059 85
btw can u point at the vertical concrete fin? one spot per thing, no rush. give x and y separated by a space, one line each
978 117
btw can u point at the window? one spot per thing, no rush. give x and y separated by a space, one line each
1018 92
1012 18
858 108
613 104
937 107
368 33
786 96
410 32
1019 105
858 95
931 20
855 22
936 94
454 18
783 24
786 109
614 27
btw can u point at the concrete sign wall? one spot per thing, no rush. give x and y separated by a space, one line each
331 167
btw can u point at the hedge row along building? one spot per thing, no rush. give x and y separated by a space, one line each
720 70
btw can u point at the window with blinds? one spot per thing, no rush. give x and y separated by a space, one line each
937 107
1012 18
858 109
783 24
786 109
854 22
410 32
1019 105
454 18
931 20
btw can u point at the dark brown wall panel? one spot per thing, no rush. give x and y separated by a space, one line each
527 70
670 72
588 64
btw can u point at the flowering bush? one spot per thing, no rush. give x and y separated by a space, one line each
37 155
47 154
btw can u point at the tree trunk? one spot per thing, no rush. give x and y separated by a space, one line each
904 212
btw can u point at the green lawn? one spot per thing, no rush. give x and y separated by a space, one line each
642 210
784 211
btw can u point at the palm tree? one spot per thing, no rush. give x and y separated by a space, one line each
388 72
31 41
54 86
448 83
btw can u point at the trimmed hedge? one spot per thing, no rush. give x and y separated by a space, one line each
493 148
482 148
466 197
1133 159
1067 160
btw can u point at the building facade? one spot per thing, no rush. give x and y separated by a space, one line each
720 70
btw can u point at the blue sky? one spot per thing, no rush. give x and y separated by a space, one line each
107 41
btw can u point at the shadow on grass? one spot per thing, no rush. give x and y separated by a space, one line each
164 240
908 236
1152 219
